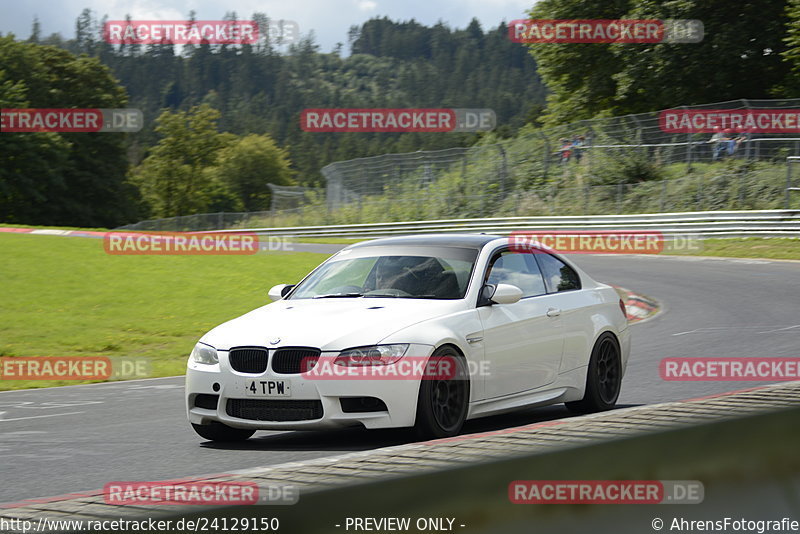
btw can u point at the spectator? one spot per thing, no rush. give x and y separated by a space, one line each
715 141
577 147
728 141
743 137
565 151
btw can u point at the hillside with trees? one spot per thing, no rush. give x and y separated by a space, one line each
262 88
240 105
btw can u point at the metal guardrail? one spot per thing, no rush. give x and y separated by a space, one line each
703 224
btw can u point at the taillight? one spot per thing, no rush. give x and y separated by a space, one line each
622 307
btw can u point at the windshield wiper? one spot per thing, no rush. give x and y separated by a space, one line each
339 295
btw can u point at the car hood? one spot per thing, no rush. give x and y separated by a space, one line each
329 324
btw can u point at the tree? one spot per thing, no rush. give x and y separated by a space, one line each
740 57
579 76
32 170
36 31
792 53
173 178
248 164
89 185
86 33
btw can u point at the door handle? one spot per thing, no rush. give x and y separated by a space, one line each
553 312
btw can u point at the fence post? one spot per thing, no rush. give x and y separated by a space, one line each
638 134
788 181
586 200
698 205
740 203
503 171
689 146
545 154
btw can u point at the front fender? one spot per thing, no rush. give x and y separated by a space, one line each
453 330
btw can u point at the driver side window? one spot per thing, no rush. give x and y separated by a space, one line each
518 269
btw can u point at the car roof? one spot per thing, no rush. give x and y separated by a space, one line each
476 241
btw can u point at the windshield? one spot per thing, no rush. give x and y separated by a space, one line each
413 272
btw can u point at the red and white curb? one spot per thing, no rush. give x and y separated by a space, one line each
638 307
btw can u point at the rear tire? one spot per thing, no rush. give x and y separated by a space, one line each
603 377
443 400
222 433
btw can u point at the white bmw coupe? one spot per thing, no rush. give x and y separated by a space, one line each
418 331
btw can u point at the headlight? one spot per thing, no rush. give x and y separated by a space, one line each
205 354
375 355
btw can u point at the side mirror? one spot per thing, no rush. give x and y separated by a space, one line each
280 291
505 294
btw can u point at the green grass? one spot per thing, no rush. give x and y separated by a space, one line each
64 296
769 248
14 225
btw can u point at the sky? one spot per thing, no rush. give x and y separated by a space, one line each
328 19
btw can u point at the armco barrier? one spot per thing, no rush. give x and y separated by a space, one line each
704 224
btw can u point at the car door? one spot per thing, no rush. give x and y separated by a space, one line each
575 306
523 341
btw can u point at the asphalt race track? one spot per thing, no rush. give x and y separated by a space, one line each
76 438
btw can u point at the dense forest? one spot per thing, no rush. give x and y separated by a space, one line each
219 118
749 50
262 89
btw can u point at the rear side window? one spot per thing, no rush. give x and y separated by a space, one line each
558 276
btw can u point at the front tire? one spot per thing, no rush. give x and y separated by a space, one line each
222 433
443 399
603 377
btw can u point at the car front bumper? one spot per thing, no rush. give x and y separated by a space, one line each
399 394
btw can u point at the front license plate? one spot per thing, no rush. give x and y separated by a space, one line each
268 388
